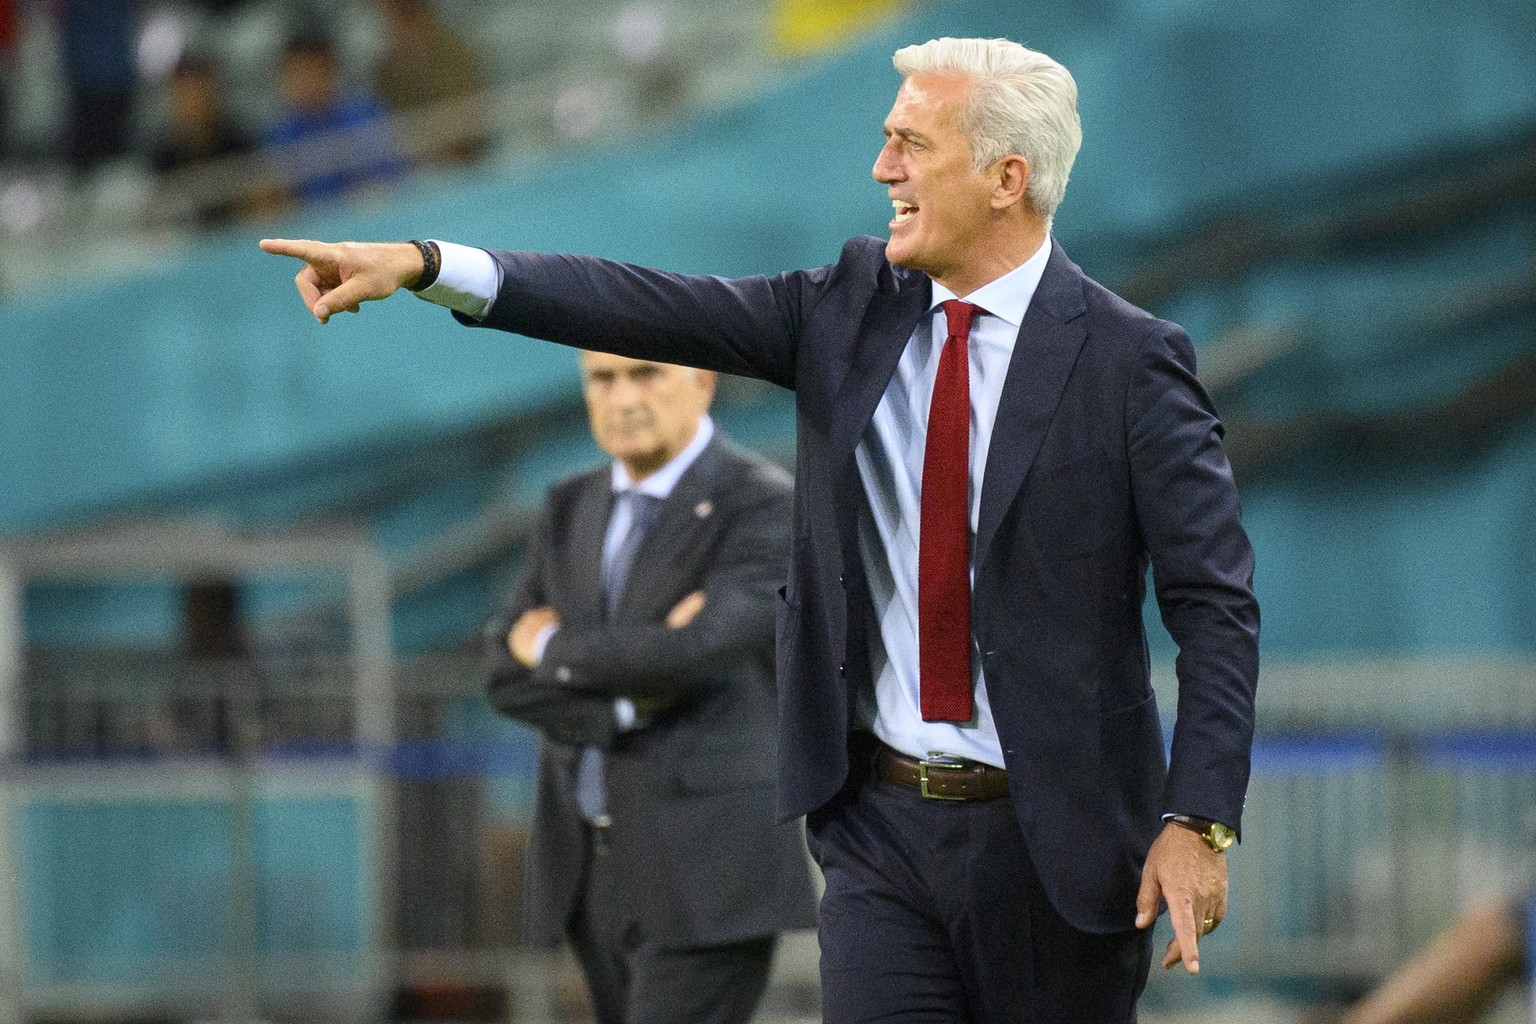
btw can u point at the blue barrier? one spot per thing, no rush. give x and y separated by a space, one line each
1479 751
438 760
1307 754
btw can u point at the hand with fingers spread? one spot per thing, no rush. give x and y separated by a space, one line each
340 276
1191 877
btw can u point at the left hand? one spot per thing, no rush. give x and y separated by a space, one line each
525 631
1192 878
684 611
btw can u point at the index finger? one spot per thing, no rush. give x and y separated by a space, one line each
1182 917
303 248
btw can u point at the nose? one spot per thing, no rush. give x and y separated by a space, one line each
887 168
627 396
623 393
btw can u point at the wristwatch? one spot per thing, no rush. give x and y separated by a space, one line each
1216 835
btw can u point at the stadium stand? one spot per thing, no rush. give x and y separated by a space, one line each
264 832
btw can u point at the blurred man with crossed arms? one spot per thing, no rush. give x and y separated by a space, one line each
639 642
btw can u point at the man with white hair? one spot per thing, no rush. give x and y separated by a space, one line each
992 448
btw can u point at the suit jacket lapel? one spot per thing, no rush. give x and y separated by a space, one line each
1047 347
673 532
584 553
1049 340
893 313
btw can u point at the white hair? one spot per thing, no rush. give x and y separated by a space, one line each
1021 101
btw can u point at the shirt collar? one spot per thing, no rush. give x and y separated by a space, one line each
1008 297
660 483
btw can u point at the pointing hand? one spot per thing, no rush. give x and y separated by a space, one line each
341 276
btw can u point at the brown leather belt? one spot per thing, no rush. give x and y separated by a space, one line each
942 778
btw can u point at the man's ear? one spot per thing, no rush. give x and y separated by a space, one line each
707 381
1011 177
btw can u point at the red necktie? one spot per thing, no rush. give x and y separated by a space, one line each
944 533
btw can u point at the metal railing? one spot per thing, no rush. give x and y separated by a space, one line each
259 860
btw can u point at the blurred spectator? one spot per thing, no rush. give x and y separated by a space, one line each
1458 976
643 39
332 142
425 66
96 49
198 130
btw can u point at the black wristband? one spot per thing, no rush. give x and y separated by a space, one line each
1189 821
431 265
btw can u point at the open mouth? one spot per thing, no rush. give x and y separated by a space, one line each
904 211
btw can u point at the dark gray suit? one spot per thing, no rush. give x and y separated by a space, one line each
694 857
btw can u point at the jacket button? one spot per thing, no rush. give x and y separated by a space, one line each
842 668
563 673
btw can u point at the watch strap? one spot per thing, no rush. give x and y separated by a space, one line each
431 265
1216 835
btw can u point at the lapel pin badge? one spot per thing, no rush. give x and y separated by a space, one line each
703 509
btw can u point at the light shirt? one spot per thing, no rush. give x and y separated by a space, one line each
890 461
467 279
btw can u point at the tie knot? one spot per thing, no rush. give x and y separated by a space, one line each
959 314
642 507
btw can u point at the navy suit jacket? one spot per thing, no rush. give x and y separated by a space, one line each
1105 456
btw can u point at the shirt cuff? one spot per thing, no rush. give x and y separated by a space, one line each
542 641
467 282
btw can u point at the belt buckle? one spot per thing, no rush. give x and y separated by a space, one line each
935 759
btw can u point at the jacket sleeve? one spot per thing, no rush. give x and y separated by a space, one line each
746 326
651 662
1202 564
558 712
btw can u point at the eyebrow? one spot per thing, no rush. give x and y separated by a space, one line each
908 134
608 373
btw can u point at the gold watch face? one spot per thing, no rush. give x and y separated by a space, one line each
1220 837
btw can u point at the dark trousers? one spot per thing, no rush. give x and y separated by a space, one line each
933 914
634 980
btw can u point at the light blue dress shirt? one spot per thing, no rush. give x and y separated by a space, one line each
890 460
